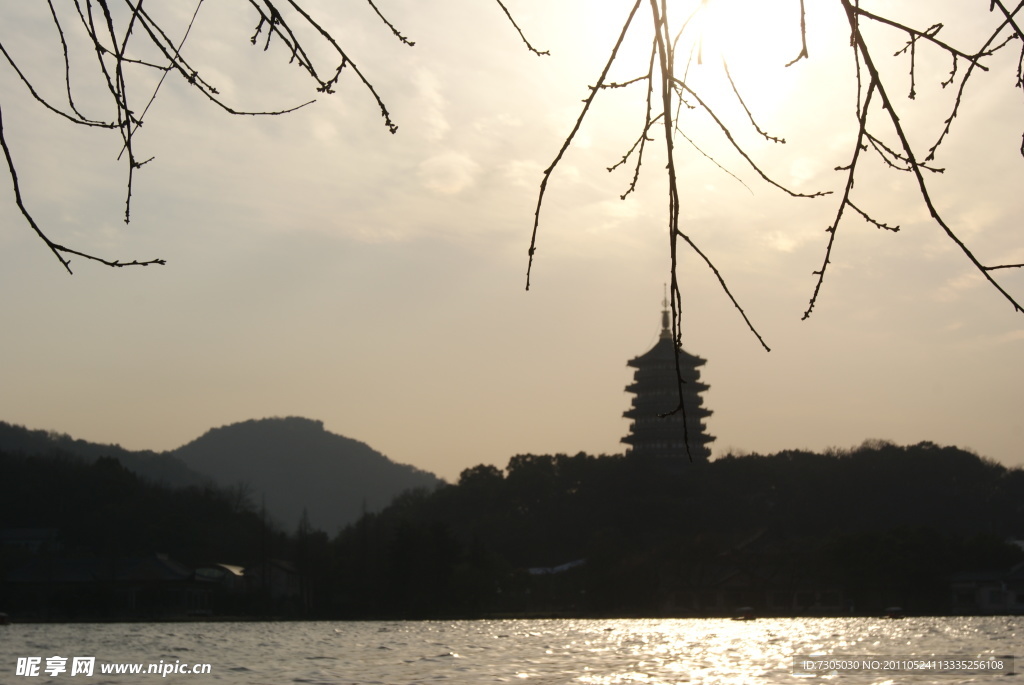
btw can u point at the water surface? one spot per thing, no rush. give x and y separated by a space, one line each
601 652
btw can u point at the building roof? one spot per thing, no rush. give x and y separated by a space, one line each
664 353
664 350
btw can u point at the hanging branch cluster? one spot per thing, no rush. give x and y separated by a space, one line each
668 91
901 157
126 37
675 56
675 53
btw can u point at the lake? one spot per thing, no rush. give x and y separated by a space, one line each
597 651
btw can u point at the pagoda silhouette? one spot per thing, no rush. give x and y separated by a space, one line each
657 430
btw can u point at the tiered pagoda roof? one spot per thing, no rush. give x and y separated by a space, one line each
657 431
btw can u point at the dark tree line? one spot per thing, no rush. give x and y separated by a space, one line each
584 535
103 508
617 536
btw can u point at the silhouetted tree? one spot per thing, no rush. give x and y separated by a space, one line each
885 524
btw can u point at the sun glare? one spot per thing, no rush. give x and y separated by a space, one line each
752 28
732 56
747 41
752 39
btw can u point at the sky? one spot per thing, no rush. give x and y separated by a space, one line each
319 266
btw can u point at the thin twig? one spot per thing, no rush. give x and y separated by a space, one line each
572 134
963 84
750 116
915 167
58 250
739 148
167 70
725 287
391 26
521 34
803 36
928 35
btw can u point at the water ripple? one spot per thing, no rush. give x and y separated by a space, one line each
591 652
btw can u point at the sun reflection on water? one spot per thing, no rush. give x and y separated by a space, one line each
590 652
724 651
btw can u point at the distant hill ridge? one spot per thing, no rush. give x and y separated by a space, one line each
290 465
300 466
153 466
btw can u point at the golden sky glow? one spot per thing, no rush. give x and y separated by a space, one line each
319 266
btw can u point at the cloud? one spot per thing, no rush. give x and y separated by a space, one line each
430 104
324 130
782 241
523 173
448 173
954 288
1008 338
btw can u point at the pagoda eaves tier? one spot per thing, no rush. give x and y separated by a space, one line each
656 429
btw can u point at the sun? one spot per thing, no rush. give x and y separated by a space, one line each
751 29
749 42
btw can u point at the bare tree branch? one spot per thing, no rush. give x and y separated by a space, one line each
750 116
862 109
753 165
58 250
967 75
666 61
928 34
915 167
521 34
725 287
131 36
572 134
803 37
76 118
396 31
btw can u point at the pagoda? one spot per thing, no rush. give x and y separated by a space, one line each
656 429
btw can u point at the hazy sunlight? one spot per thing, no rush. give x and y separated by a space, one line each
753 40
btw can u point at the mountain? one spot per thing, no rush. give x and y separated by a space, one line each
290 465
152 466
293 465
